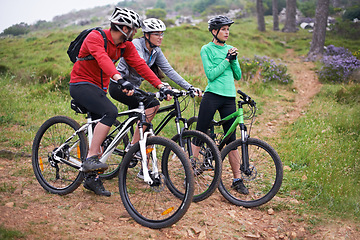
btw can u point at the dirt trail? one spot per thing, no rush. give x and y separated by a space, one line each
82 215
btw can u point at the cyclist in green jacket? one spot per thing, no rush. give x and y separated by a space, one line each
221 68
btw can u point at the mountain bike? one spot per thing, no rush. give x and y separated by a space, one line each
261 167
206 166
157 201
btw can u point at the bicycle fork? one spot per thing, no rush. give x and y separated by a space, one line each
245 164
144 162
244 167
144 151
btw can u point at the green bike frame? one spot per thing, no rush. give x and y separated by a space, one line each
239 120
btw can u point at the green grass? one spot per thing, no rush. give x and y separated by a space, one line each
323 151
7 234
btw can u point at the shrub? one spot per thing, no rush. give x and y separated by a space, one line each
17 29
155 13
352 13
267 68
357 54
3 69
338 65
346 29
308 8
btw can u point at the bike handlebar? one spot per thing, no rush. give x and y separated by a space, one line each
246 98
141 94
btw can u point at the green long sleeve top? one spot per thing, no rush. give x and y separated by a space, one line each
219 72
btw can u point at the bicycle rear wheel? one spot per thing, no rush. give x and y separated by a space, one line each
207 166
155 205
53 175
215 132
266 174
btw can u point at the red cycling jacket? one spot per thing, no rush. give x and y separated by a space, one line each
90 70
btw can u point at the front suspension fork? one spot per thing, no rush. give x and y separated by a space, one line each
244 151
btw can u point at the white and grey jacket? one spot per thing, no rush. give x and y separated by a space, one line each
155 56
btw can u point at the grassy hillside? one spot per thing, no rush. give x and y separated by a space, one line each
323 145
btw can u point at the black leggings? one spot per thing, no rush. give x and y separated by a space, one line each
208 106
95 101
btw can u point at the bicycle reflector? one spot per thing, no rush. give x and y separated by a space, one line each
149 150
167 211
78 152
41 164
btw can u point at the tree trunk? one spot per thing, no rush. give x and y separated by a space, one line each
318 39
260 15
275 13
290 22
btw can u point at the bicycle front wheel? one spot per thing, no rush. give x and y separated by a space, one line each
53 175
206 165
265 176
154 205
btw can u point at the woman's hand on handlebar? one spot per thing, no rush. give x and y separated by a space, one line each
195 91
165 90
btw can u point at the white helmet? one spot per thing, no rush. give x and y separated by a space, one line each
153 25
126 17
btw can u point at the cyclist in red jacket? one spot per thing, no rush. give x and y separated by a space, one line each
90 80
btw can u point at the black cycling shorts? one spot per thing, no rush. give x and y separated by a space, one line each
211 103
95 101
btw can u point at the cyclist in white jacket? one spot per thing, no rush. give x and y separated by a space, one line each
149 49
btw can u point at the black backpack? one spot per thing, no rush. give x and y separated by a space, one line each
74 47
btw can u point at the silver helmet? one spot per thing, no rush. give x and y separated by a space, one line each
153 25
126 17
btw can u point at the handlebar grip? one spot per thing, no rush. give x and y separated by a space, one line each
246 98
244 95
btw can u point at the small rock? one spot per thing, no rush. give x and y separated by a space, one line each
80 206
190 233
293 235
10 204
287 168
202 235
271 211
254 236
25 192
18 191
232 213
196 230
294 201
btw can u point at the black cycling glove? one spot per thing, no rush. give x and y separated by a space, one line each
231 56
193 91
123 84
163 92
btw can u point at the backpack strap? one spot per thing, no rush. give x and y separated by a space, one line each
90 57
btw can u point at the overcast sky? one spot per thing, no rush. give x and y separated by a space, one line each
30 11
